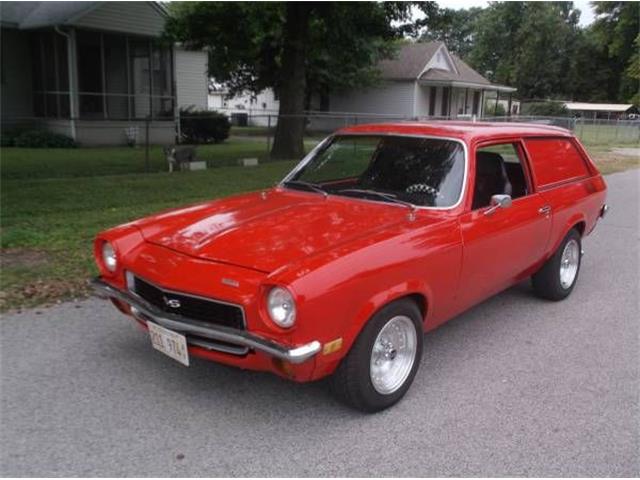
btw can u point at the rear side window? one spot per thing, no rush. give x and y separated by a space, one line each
555 160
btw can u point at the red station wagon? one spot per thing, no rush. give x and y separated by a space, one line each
381 233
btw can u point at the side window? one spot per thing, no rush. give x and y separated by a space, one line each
499 170
555 160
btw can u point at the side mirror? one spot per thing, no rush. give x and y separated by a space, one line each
498 201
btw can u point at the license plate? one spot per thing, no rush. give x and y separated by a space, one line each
169 342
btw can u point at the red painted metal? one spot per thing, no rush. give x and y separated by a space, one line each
344 258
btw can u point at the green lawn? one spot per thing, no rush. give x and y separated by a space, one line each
80 162
48 224
54 201
611 135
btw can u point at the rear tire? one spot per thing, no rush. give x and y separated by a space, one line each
383 361
557 277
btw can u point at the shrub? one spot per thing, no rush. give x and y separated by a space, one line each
43 139
8 138
545 109
493 110
203 126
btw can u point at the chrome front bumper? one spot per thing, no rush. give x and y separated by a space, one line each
147 312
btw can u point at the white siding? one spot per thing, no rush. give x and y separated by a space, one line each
141 18
16 74
191 78
392 98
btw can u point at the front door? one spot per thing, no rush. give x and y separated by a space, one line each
501 247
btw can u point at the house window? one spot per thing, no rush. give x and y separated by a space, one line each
126 77
90 85
119 77
476 103
50 75
446 93
116 76
432 101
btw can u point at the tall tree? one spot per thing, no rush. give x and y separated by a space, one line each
633 72
254 45
615 28
527 45
456 28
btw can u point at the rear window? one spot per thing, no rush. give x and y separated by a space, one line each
555 160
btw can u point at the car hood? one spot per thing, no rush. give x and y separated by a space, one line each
266 231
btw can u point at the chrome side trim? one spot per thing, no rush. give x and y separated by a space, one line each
187 326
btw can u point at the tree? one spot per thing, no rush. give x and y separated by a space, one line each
456 28
633 72
614 30
282 45
527 45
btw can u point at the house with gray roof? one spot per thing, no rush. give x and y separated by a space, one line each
98 72
423 80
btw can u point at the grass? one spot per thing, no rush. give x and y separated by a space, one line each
608 135
81 162
55 201
48 225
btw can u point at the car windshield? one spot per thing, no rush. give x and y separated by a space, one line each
422 171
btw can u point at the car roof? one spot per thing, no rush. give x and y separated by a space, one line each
468 131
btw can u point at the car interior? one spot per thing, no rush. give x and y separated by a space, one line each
498 172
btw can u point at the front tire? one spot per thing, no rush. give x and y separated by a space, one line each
557 277
383 361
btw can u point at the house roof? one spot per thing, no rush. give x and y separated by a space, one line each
26 15
412 60
409 61
598 107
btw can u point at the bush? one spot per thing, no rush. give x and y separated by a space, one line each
545 109
493 110
8 138
203 126
43 139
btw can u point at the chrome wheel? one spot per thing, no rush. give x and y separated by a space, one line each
393 355
569 263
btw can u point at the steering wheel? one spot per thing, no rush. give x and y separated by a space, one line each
423 188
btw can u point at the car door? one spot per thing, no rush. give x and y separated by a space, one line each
501 245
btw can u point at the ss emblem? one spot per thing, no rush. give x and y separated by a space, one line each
171 302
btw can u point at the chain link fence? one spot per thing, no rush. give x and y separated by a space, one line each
317 124
261 127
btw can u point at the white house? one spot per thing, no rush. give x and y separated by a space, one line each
423 80
96 70
254 103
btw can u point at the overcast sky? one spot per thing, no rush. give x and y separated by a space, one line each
586 16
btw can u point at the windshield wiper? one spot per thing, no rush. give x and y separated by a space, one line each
374 193
310 186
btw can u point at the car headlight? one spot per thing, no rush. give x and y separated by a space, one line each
109 257
281 307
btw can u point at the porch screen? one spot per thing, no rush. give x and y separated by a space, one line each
119 77
131 77
50 72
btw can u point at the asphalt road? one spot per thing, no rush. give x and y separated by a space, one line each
516 386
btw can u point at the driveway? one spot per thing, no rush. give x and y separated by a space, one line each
516 386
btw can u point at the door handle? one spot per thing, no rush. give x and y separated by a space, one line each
546 210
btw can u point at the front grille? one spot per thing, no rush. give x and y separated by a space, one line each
196 308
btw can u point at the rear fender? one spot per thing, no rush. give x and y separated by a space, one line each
573 220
